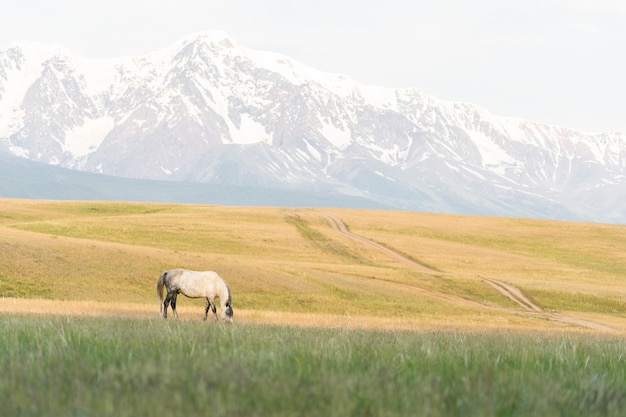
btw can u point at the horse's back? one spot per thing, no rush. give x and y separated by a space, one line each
199 283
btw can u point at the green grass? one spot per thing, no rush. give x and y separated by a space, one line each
582 302
74 366
22 289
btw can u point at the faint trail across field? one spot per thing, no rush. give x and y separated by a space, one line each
511 292
339 226
518 297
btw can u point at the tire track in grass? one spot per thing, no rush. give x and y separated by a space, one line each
511 292
339 226
516 295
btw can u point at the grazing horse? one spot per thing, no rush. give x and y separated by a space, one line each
195 284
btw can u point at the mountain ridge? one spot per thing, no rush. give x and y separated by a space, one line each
210 111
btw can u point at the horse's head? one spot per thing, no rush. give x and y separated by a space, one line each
227 312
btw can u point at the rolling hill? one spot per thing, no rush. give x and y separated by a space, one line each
301 265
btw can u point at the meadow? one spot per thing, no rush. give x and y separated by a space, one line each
325 324
77 366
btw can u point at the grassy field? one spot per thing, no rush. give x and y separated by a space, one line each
73 366
324 324
292 261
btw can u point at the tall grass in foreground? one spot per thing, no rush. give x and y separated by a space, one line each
64 366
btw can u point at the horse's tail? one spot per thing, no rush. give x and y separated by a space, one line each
160 284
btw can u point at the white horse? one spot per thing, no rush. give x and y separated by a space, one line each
195 284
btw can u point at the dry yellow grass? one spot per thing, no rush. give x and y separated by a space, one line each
424 323
568 256
291 266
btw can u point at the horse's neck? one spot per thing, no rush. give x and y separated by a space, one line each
224 293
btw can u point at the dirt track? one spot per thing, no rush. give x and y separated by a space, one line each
527 306
339 226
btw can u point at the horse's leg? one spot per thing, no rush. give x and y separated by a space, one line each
214 309
174 296
166 303
206 310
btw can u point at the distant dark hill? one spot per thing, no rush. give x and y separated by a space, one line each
22 178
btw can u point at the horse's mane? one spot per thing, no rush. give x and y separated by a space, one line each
229 301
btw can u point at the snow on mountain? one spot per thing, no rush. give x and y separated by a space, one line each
208 110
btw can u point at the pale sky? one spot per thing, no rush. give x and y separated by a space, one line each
561 62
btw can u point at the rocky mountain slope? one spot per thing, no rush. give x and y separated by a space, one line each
208 110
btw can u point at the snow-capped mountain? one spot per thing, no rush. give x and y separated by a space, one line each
208 110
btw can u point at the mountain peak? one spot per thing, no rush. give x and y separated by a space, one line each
208 110
212 37
36 52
